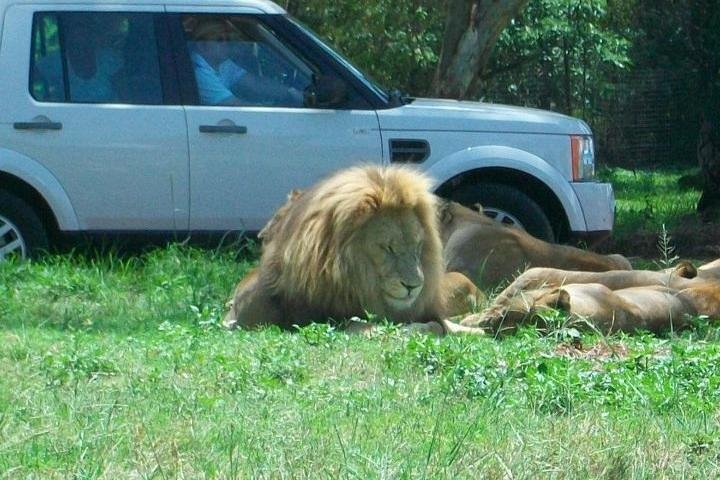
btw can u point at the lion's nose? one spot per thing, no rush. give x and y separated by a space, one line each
411 287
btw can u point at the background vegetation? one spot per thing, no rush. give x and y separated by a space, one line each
641 72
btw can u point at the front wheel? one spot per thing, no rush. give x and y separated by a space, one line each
507 205
22 233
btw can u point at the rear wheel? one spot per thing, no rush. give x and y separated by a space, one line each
22 233
507 205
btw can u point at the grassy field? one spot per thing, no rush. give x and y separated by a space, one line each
116 367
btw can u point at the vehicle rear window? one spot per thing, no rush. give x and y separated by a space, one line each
95 57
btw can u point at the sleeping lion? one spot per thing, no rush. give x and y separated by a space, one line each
490 253
611 301
363 240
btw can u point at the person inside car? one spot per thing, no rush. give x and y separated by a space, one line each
92 49
220 79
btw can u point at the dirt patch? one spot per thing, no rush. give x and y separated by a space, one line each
691 239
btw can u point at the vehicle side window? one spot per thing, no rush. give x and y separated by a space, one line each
95 57
237 60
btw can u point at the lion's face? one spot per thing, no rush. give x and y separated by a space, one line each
363 240
392 246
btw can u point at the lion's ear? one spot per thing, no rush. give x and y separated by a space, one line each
444 213
270 229
563 300
685 269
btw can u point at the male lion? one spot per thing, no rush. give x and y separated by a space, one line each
489 253
363 240
611 301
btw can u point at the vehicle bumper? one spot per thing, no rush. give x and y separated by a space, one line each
597 201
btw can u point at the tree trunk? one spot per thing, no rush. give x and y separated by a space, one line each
471 31
708 152
291 6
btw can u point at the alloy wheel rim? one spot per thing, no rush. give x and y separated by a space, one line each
11 241
503 217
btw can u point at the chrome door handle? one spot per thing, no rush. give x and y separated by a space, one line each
37 126
223 129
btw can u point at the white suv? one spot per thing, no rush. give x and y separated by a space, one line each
200 115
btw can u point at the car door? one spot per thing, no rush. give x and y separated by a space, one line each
252 135
96 109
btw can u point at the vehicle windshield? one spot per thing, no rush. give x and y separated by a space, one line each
368 80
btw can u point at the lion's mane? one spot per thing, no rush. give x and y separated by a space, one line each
310 261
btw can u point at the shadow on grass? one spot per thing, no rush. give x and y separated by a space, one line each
647 200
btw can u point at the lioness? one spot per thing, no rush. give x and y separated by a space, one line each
489 253
612 301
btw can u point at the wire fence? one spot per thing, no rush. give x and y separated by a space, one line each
644 117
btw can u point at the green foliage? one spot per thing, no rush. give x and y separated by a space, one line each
319 334
679 42
569 46
682 37
559 54
527 372
95 292
396 42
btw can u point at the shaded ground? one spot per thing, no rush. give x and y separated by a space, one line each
648 200
691 239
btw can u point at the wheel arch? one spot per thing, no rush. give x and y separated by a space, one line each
531 186
32 197
518 169
33 183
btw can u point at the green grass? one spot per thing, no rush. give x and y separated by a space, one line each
116 367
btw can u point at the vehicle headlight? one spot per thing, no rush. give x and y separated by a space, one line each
583 157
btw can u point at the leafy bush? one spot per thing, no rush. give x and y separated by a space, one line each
396 42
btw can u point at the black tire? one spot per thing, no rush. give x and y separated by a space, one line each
504 198
23 231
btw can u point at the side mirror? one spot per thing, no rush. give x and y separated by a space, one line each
326 91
